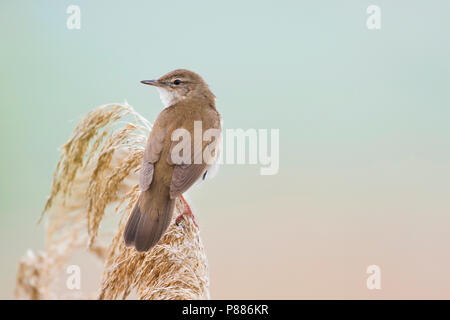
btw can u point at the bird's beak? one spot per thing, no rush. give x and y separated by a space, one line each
155 83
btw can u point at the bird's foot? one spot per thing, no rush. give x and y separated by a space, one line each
187 210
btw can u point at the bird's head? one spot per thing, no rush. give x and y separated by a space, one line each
180 84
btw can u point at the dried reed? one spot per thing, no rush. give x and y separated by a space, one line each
95 180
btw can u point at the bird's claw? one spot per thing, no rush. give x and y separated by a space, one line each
187 211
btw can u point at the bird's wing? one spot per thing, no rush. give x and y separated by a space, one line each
145 175
152 153
185 175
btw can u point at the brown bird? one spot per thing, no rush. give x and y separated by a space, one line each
187 98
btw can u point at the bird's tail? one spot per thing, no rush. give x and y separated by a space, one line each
148 221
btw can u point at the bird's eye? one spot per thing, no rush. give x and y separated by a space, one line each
177 81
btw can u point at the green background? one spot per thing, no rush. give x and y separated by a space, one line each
363 118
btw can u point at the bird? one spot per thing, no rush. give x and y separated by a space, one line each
186 98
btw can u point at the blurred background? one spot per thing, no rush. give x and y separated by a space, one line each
364 132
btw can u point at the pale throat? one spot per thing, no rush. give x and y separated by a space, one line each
168 97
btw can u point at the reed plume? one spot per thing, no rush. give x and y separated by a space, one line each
94 188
